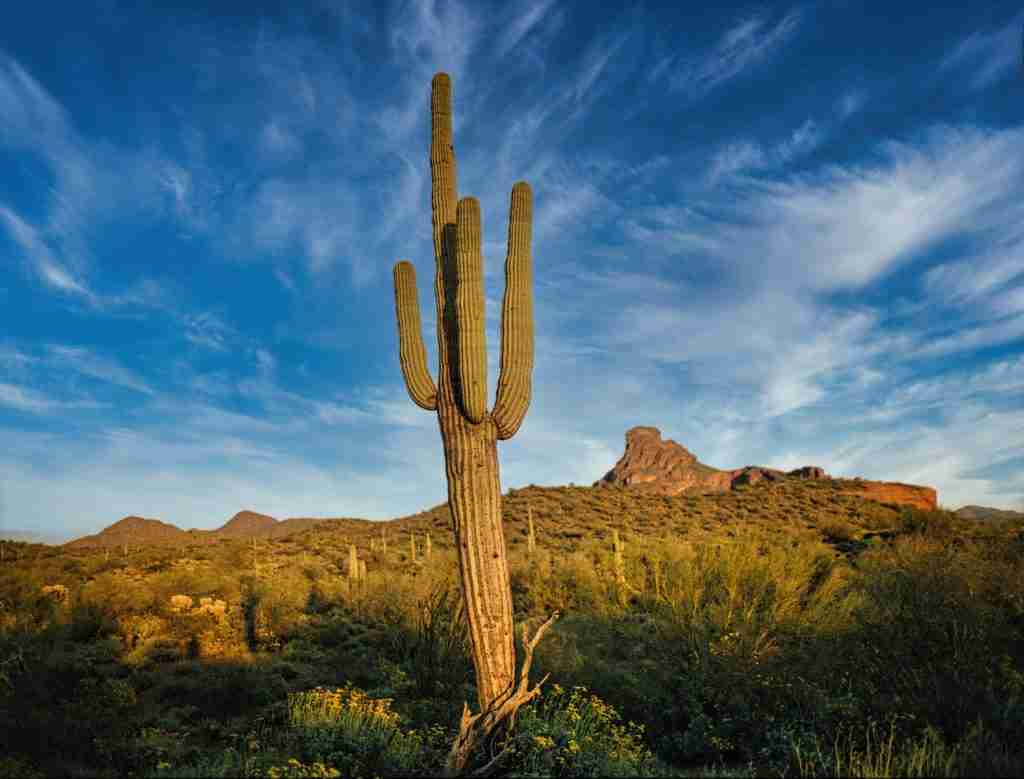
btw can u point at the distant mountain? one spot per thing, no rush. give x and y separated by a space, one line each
136 530
247 523
152 532
650 464
986 513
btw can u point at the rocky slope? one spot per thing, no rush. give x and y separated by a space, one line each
665 467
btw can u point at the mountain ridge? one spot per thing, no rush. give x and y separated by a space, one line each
649 465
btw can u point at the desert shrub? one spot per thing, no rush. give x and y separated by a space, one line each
360 736
934 523
927 644
573 733
880 752
90 620
438 643
284 602
836 529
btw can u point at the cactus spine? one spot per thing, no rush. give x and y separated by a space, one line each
468 432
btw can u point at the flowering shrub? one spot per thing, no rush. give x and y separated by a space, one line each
359 735
572 733
295 769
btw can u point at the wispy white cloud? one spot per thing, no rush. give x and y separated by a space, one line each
733 157
989 56
745 156
748 43
24 399
523 21
846 227
967 279
969 338
42 260
207 329
31 115
88 363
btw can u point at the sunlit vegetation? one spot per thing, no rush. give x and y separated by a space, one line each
781 629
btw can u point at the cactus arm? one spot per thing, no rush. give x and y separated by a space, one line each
470 342
514 381
411 354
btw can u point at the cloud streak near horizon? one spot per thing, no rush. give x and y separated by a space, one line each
745 234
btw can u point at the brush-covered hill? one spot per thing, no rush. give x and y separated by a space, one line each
986 513
658 482
246 524
836 511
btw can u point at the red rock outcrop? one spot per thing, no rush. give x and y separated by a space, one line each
666 467
893 492
660 466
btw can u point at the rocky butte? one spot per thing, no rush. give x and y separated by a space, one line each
650 464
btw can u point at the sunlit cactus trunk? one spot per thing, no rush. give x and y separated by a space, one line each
469 432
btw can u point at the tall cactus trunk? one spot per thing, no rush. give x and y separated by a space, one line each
474 495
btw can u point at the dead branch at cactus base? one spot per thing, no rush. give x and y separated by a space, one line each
475 729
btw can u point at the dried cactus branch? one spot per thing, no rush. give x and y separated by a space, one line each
474 728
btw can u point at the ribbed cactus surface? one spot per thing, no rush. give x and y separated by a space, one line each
468 431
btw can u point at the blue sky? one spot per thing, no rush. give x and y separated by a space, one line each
784 234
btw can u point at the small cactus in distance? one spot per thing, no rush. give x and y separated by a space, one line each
428 546
353 563
531 539
620 563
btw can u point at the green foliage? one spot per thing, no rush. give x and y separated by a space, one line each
573 733
880 753
791 630
361 736
438 645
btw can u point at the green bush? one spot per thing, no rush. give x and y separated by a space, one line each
573 733
437 647
360 736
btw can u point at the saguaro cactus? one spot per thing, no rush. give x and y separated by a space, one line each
620 564
353 563
468 431
531 539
